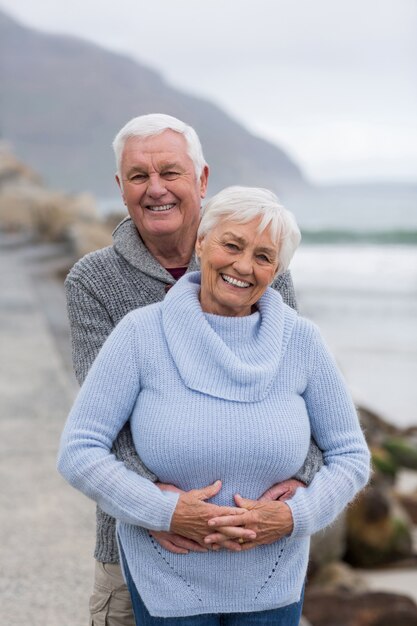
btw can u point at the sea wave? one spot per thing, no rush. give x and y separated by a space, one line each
332 236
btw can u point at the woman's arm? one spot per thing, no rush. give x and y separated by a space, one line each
335 427
103 406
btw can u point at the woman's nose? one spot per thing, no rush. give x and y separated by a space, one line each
243 264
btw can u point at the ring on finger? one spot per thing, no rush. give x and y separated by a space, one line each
241 540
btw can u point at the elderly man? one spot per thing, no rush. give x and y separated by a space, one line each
162 176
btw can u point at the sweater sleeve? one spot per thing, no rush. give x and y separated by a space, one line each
103 406
283 283
336 429
314 459
90 325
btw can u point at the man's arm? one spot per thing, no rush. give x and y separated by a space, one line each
283 283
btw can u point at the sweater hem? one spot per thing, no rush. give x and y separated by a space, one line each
221 610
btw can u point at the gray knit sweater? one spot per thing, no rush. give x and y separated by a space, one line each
101 289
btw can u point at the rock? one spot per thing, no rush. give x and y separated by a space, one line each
384 466
376 429
14 172
378 529
342 608
83 207
409 502
337 576
87 237
402 450
328 545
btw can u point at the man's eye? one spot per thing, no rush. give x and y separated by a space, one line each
170 175
137 178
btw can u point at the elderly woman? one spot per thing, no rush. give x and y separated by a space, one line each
224 385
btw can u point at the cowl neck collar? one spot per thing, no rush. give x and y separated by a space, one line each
231 358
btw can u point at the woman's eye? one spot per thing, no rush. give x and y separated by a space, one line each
231 246
263 258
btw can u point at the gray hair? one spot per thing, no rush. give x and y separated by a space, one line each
243 204
155 124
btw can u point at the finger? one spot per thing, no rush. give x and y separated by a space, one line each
167 487
273 494
183 542
249 545
213 537
208 492
232 545
286 495
233 532
171 547
244 502
231 520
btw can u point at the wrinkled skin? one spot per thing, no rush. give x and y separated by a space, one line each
228 536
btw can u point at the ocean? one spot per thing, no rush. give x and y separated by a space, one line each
364 299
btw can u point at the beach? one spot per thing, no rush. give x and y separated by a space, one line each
48 527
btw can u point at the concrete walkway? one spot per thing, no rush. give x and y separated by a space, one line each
47 528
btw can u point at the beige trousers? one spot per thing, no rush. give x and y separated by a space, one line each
110 601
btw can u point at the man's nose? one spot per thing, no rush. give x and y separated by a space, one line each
156 186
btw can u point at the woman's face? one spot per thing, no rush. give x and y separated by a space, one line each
237 265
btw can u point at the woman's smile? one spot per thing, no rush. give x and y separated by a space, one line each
238 263
235 282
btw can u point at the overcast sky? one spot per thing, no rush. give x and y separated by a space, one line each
334 82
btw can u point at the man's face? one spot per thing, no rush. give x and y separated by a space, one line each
160 187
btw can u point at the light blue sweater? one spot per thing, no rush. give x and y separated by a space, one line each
214 397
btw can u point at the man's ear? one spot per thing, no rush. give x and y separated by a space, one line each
119 183
204 181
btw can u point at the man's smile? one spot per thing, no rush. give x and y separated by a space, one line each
160 207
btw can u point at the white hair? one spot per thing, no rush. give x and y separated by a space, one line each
155 124
243 204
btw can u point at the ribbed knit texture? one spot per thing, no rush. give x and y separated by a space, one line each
213 397
101 289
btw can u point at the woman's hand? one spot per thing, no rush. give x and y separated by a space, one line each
270 520
192 513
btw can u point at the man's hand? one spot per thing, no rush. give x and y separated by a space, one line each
281 491
171 541
175 543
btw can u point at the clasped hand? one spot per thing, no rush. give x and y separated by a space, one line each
251 523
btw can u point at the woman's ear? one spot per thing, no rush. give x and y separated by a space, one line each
199 246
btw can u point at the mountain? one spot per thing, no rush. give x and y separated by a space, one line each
63 99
